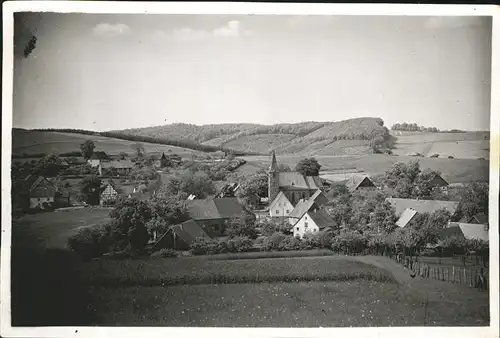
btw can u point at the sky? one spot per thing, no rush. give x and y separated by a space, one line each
116 71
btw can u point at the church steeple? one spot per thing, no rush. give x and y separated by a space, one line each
273 179
274 164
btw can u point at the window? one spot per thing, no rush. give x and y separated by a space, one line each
314 230
297 228
305 225
288 211
277 211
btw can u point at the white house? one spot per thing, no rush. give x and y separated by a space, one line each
305 205
312 222
41 191
281 206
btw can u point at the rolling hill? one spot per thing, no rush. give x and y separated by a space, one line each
347 138
28 142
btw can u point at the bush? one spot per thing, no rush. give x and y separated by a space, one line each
434 155
269 227
206 246
91 242
164 253
273 242
239 244
450 157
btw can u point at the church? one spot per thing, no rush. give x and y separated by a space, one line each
293 185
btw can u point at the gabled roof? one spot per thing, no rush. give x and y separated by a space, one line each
36 188
421 206
438 180
321 218
406 217
356 181
187 231
469 230
293 180
317 199
217 208
480 218
228 207
278 197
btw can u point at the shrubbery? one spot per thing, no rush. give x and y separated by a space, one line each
208 246
164 253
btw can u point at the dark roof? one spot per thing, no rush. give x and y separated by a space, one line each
437 180
317 200
217 208
467 230
321 218
99 155
421 206
36 187
187 231
118 164
356 181
480 218
293 180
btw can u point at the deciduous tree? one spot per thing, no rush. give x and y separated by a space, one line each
308 167
87 149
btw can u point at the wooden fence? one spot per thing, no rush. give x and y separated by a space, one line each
475 277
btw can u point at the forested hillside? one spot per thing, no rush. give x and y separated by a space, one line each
359 135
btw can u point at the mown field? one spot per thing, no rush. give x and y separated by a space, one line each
37 142
453 170
469 145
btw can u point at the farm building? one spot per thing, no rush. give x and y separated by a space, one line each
115 168
312 222
294 185
406 209
40 191
97 157
281 206
211 214
480 218
359 182
108 195
179 236
466 230
162 162
307 205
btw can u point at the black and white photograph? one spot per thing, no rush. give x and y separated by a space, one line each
249 170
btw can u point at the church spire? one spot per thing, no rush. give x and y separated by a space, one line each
274 164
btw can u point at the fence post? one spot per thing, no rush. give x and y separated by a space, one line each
453 273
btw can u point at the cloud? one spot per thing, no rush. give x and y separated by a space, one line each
106 29
453 22
230 30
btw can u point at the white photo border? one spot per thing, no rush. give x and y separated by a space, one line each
243 9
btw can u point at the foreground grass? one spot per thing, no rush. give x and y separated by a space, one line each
52 229
160 272
357 303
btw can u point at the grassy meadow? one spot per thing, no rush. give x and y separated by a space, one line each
453 170
52 229
37 142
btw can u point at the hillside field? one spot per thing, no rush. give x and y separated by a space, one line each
470 145
453 170
36 142
347 137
